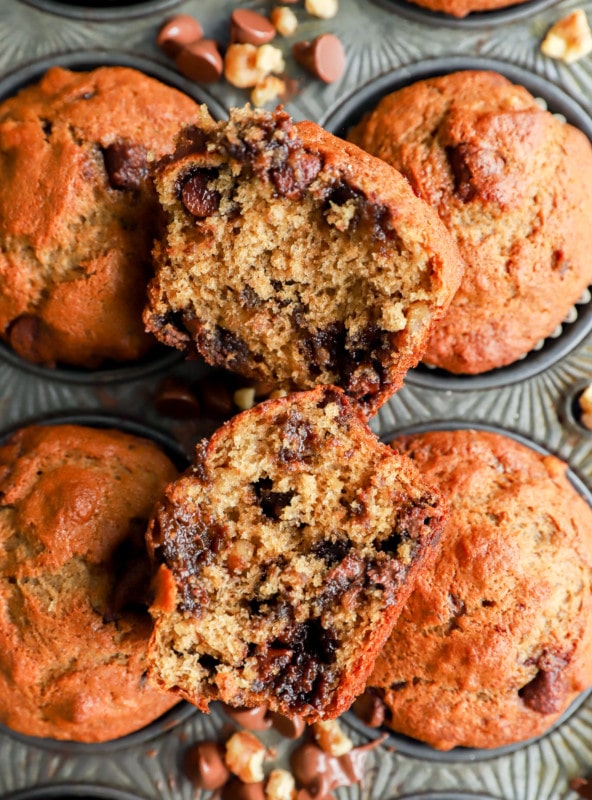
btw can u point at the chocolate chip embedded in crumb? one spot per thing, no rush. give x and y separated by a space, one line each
249 27
200 61
178 31
547 692
203 763
197 198
176 399
324 57
126 165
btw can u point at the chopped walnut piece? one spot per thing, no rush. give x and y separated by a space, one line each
244 757
267 90
569 38
324 9
284 20
244 398
585 401
280 785
331 737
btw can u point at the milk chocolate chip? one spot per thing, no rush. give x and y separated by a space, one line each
324 57
237 790
289 727
200 61
249 27
197 198
370 709
176 399
253 719
178 31
25 336
204 765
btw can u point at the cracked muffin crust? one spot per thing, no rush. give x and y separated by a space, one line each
75 247
511 183
293 257
496 639
286 553
74 582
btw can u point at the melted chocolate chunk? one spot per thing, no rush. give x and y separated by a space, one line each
126 165
271 503
197 198
332 552
458 158
547 692
298 438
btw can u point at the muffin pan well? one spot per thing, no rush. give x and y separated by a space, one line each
383 43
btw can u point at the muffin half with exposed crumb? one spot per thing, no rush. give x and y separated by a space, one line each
295 258
286 553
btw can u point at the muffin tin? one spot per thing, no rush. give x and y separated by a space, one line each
385 41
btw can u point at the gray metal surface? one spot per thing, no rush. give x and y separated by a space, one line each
379 37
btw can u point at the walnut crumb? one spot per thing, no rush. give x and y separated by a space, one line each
569 39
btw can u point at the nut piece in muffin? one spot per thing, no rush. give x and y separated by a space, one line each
78 212
74 582
496 639
294 258
511 183
286 553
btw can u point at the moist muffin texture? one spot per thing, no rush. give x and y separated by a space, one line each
78 212
294 258
510 181
496 639
74 582
285 555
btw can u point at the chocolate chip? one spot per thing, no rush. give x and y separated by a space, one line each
253 719
249 27
178 31
547 692
200 61
370 709
203 764
324 57
126 165
216 396
26 337
237 790
197 198
582 787
271 503
461 172
176 399
289 727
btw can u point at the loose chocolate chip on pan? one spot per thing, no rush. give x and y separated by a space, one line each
324 57
175 398
200 61
249 27
178 31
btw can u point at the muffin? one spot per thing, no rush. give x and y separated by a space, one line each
496 639
510 181
74 152
460 8
293 258
285 554
75 576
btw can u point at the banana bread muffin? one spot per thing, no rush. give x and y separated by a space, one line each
285 555
294 258
496 639
78 212
511 183
460 8
74 581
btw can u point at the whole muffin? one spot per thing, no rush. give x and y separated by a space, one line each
460 8
294 258
74 578
496 639
78 212
286 553
511 183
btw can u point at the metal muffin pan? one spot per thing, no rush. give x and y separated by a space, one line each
379 38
